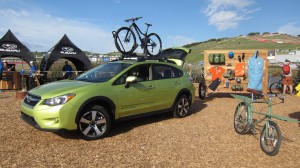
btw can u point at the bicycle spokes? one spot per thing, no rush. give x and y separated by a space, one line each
270 139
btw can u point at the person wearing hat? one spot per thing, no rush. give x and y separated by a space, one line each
288 77
33 69
6 67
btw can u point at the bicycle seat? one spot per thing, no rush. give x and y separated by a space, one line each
148 24
133 19
254 91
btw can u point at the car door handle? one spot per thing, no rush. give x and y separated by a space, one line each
177 83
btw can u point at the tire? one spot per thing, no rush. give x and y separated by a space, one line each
94 123
240 119
271 145
202 91
182 107
153 45
125 40
276 88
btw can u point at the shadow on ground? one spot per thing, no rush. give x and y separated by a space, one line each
127 125
295 115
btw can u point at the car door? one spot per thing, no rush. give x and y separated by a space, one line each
168 81
138 97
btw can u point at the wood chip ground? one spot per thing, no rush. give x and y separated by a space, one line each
204 139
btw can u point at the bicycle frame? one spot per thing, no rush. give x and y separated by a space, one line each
138 30
267 116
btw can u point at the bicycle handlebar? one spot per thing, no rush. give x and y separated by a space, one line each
133 19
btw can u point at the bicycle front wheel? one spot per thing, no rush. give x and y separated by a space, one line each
240 119
276 88
270 139
125 40
153 45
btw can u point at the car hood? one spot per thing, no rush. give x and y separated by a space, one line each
60 88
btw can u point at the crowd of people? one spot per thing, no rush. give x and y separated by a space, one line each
4 67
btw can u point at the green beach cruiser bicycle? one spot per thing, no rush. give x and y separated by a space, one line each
270 135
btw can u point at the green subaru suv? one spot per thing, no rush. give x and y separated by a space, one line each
109 92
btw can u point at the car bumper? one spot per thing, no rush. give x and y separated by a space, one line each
50 118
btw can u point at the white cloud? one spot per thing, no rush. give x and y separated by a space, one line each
227 14
40 31
290 29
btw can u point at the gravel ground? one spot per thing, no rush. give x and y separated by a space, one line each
204 139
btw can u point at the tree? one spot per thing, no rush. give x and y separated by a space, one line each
253 33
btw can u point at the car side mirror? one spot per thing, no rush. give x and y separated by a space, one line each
129 80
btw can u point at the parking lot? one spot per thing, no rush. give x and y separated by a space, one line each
204 139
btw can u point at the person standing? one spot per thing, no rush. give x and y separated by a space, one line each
5 66
1 70
287 80
298 74
33 69
67 70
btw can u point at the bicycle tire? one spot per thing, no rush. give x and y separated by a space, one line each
271 144
202 91
125 40
240 123
153 45
276 88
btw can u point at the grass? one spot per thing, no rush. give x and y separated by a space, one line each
238 43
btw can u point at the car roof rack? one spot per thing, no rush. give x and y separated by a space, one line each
141 58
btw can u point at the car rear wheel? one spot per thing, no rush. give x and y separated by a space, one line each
94 123
202 91
182 107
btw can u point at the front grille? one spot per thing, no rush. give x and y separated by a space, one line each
30 120
31 100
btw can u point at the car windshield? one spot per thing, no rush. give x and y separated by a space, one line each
103 72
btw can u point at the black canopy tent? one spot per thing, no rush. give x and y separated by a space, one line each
10 46
65 49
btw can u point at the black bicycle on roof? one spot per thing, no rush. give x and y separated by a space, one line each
125 39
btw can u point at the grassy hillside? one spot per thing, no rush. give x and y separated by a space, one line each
269 41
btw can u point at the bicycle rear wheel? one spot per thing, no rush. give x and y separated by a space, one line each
153 45
125 40
276 88
270 141
240 119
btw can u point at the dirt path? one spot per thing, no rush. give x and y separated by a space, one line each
204 139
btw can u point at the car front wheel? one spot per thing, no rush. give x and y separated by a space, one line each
94 123
182 107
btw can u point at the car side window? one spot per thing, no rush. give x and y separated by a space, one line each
166 72
142 72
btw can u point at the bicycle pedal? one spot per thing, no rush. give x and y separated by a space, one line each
253 131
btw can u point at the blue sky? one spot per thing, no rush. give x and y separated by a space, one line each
40 24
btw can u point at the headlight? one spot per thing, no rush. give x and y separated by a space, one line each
59 100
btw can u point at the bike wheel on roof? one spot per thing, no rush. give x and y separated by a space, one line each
154 44
125 40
